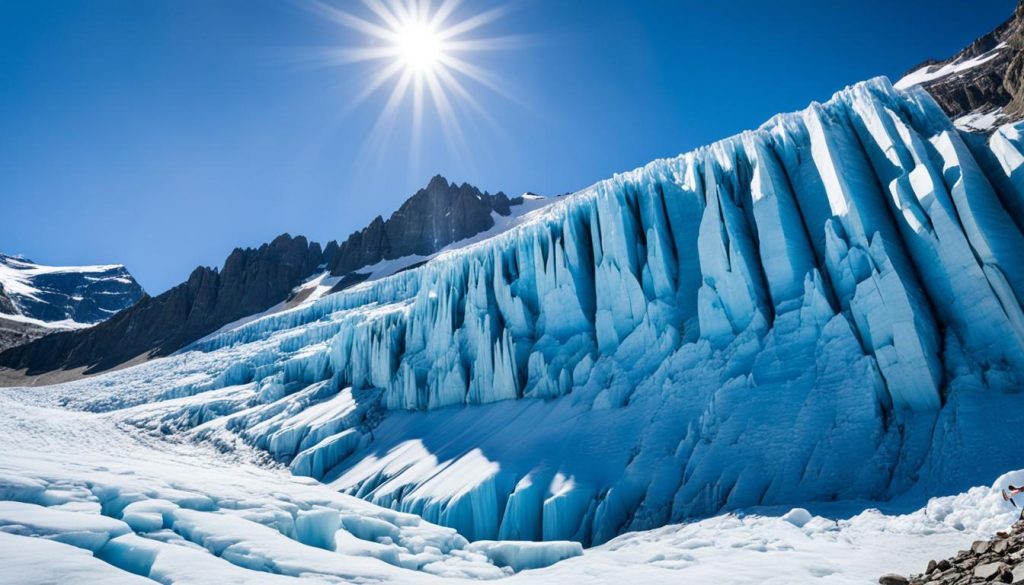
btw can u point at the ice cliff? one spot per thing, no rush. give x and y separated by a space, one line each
828 307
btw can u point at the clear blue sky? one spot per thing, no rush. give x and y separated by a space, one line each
161 134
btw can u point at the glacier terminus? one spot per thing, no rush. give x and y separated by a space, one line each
827 308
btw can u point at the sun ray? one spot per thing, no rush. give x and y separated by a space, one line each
449 123
376 82
423 49
443 12
351 21
390 19
473 22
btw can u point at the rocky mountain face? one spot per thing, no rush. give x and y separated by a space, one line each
250 281
986 77
431 219
253 280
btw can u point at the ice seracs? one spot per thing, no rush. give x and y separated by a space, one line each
826 308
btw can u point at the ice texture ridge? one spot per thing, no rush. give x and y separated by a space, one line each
827 307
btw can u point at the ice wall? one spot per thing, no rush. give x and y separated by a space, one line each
826 307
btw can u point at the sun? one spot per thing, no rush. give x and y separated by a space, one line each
424 54
419 47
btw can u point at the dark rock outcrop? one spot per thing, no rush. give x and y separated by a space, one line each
7 306
996 83
251 281
431 219
14 333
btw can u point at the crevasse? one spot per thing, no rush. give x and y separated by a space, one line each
827 307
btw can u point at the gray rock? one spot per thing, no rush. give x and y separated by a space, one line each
980 547
435 216
988 571
893 579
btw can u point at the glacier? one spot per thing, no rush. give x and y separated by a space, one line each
826 308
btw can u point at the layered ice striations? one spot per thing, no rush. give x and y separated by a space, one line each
826 307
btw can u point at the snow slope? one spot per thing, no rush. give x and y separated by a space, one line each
933 72
85 498
827 308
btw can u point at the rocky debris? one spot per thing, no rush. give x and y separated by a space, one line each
996 84
1000 560
435 216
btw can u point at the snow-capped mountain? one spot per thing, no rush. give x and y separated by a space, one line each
78 295
982 86
828 307
36 300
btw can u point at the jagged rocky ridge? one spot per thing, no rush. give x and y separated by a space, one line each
435 216
826 308
985 78
253 280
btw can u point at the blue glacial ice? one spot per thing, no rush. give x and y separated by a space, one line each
828 307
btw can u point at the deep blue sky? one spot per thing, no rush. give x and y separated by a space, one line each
161 134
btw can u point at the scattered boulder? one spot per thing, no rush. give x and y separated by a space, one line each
988 571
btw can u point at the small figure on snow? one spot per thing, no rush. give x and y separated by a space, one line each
1014 491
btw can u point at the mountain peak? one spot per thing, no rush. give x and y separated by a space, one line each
438 182
435 216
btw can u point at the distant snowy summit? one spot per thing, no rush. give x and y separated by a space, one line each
982 86
36 299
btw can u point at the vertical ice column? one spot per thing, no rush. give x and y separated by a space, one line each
784 248
731 298
928 219
621 304
868 268
994 237
682 193
1007 147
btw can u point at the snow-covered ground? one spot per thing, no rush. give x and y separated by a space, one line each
86 498
980 121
